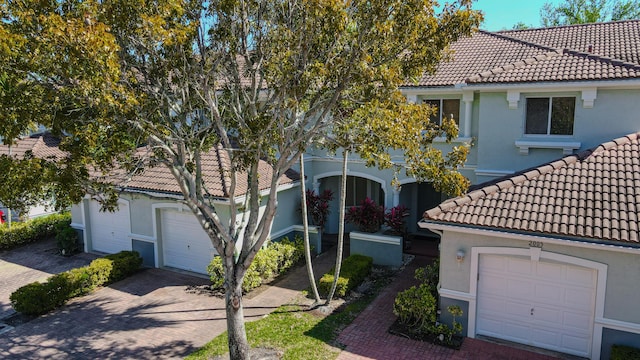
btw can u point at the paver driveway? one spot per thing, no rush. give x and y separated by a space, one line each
147 316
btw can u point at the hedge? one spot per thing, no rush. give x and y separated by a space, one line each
270 261
622 352
22 233
39 298
354 270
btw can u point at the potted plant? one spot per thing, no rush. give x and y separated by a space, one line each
368 216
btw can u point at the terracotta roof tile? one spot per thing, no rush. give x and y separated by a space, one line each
42 145
601 51
562 198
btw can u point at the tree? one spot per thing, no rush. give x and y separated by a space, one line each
132 84
521 26
588 11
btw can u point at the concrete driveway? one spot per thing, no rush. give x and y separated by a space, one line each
150 315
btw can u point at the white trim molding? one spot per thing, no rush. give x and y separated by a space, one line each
457 295
588 97
567 146
493 172
513 96
375 237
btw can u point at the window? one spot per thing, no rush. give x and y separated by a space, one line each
550 115
360 188
444 108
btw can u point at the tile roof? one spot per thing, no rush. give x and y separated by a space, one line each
216 179
158 178
42 145
592 195
600 51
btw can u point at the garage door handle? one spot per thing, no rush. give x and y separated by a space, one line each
531 311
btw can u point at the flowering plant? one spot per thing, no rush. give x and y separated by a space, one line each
394 218
368 216
318 206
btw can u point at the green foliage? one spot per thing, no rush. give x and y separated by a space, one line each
124 264
67 240
33 230
276 258
39 298
623 352
588 11
367 216
417 307
354 270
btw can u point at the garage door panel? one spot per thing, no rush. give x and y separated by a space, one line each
109 230
562 297
519 266
185 244
520 289
549 293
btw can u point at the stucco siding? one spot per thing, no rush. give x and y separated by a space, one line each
622 267
288 213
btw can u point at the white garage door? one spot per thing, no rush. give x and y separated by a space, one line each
543 304
185 244
109 230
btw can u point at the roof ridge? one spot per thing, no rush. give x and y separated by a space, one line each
524 42
570 26
606 59
514 65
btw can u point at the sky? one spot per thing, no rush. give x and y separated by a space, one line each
503 14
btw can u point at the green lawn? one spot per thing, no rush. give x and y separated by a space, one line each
299 334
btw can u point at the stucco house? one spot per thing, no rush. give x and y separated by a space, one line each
521 98
548 256
151 219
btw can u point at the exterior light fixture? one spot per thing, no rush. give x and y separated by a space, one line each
460 256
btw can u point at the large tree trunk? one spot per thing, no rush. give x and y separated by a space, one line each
343 195
305 225
238 343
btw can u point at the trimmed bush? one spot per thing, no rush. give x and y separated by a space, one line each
623 352
276 258
22 233
39 298
67 240
353 271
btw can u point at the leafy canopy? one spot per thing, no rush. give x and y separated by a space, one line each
588 11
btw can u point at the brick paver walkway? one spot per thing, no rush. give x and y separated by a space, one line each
147 316
367 336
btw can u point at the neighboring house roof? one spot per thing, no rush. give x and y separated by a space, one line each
159 178
592 195
216 178
42 145
587 52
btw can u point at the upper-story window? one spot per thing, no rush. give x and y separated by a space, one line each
550 115
444 108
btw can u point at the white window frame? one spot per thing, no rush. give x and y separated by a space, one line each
440 106
549 113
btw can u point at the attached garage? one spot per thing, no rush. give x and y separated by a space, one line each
185 244
110 230
543 304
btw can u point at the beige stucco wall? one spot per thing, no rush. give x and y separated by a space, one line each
622 291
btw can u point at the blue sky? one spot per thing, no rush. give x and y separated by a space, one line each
503 14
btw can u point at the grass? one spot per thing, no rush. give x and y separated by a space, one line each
298 333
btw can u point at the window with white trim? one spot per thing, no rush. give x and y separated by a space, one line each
444 108
550 115
359 188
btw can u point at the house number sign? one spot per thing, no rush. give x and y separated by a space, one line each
536 244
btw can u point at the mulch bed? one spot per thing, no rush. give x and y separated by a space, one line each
400 329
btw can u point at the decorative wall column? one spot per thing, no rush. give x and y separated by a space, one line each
467 98
396 195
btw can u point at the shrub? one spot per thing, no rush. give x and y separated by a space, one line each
40 298
276 258
125 263
67 240
417 307
22 233
623 352
354 270
368 216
